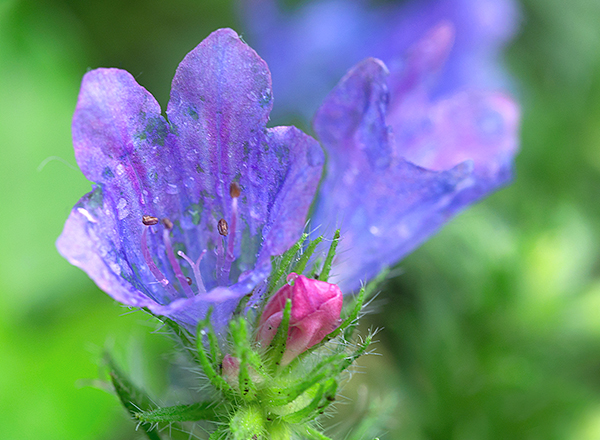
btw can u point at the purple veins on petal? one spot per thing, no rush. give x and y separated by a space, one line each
401 164
162 188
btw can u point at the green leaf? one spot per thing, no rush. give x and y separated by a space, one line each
132 398
179 413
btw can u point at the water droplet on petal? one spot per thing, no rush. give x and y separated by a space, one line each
172 189
122 209
115 268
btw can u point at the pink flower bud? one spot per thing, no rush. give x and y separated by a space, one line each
231 369
316 308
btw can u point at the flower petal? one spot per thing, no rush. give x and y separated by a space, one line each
386 205
219 107
180 172
124 145
87 241
309 49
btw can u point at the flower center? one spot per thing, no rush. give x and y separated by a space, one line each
224 250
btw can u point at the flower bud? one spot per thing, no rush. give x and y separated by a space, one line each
230 370
316 309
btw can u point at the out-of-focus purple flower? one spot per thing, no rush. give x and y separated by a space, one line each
316 309
400 163
309 48
186 213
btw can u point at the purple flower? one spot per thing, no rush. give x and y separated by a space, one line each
400 163
310 48
186 212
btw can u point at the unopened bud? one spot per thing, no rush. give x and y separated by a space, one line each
316 309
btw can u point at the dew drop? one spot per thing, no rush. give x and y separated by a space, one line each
122 209
86 214
172 189
115 268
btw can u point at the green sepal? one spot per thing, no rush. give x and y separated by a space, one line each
351 321
243 347
279 342
239 334
241 305
313 434
219 434
209 369
324 276
310 250
279 267
362 348
185 337
179 413
327 368
282 264
132 398
246 384
323 398
330 367
248 423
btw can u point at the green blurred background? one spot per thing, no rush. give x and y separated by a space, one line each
492 330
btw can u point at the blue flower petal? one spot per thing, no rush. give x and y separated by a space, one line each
399 169
212 183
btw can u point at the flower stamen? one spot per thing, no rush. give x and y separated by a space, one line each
196 268
154 269
234 192
226 256
149 220
175 264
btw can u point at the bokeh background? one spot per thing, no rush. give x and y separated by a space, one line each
490 331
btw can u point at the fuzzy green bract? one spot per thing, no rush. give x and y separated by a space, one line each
254 395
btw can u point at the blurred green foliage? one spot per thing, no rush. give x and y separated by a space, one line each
491 330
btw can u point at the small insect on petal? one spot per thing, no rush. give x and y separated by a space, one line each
148 220
223 227
189 280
